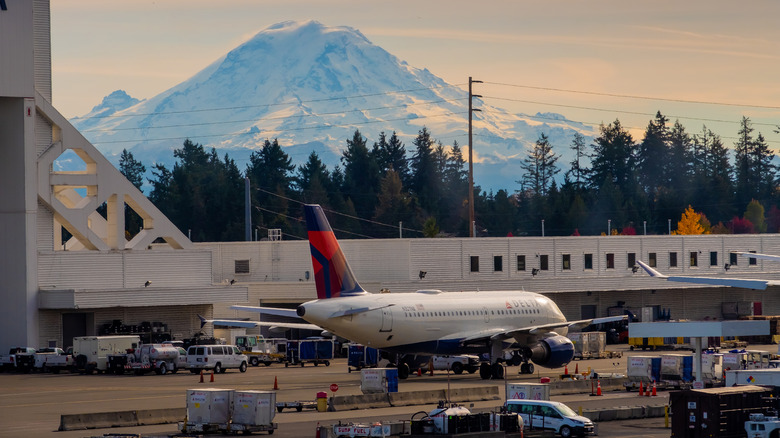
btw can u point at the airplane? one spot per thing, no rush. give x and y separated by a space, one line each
430 322
746 283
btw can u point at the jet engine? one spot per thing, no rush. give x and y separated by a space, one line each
552 352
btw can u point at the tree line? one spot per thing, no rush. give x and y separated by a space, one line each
614 184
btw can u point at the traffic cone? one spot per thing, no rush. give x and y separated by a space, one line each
576 368
419 372
654 393
598 388
276 384
566 370
201 376
641 391
212 376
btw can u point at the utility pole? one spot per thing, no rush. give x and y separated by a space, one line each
471 163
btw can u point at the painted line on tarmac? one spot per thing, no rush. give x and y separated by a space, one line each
91 401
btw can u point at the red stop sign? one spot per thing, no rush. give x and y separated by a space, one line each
334 387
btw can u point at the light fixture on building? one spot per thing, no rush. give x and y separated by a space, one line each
534 271
634 269
148 283
423 274
726 266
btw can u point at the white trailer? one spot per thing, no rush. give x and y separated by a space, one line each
766 377
91 352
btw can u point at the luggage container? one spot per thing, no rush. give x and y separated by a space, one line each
359 357
644 370
208 410
677 370
589 345
315 351
253 411
715 412
711 368
378 380
527 391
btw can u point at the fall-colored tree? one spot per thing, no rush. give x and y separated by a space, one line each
741 226
755 214
689 223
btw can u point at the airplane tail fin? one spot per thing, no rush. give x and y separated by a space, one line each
332 274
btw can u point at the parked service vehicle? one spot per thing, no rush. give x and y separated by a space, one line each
18 359
159 358
92 353
215 357
52 359
259 350
457 364
551 415
762 426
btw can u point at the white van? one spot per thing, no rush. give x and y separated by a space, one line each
551 415
215 357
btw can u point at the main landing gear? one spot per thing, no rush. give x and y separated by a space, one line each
491 371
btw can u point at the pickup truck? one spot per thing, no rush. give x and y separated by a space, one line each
53 359
457 364
18 359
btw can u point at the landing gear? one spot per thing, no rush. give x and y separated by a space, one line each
403 370
527 368
491 371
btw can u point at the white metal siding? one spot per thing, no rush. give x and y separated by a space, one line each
45 228
42 47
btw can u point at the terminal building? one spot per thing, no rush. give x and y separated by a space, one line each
69 269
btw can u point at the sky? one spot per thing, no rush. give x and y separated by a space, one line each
700 62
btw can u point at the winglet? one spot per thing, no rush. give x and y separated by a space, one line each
203 321
649 270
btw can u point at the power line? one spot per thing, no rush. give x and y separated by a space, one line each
301 220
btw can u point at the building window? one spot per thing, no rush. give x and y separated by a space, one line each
713 258
694 259
733 259
474 263
521 263
544 262
753 261
498 263
652 259
610 261
631 260
588 262
672 259
241 267
566 262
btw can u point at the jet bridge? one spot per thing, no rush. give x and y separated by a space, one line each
697 330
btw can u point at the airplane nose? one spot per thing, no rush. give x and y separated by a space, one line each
300 311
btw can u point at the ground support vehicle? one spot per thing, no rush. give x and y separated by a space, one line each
297 405
457 364
52 359
95 353
551 415
762 426
18 359
215 357
259 350
159 358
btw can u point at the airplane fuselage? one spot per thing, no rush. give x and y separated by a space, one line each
430 322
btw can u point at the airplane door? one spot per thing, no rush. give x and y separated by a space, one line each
387 320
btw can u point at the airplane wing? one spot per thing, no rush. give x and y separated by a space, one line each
250 324
290 313
753 255
539 330
714 281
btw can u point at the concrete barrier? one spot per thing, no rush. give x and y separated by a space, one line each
584 386
411 398
102 420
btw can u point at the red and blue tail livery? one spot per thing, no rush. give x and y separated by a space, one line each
332 274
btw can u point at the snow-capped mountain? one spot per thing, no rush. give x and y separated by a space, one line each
311 86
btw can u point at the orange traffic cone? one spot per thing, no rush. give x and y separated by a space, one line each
276 384
654 393
419 372
566 370
598 388
201 376
641 391
576 368
212 376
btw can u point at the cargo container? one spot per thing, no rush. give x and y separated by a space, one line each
378 380
253 411
711 369
359 357
644 370
589 345
677 370
767 377
208 410
527 391
715 412
314 351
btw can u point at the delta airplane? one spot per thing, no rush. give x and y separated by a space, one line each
428 322
746 283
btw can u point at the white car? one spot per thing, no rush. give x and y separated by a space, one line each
551 415
215 357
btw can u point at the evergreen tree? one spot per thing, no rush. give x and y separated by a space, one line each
577 171
539 166
745 180
132 169
395 205
361 175
765 172
653 154
613 158
313 181
425 178
270 174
